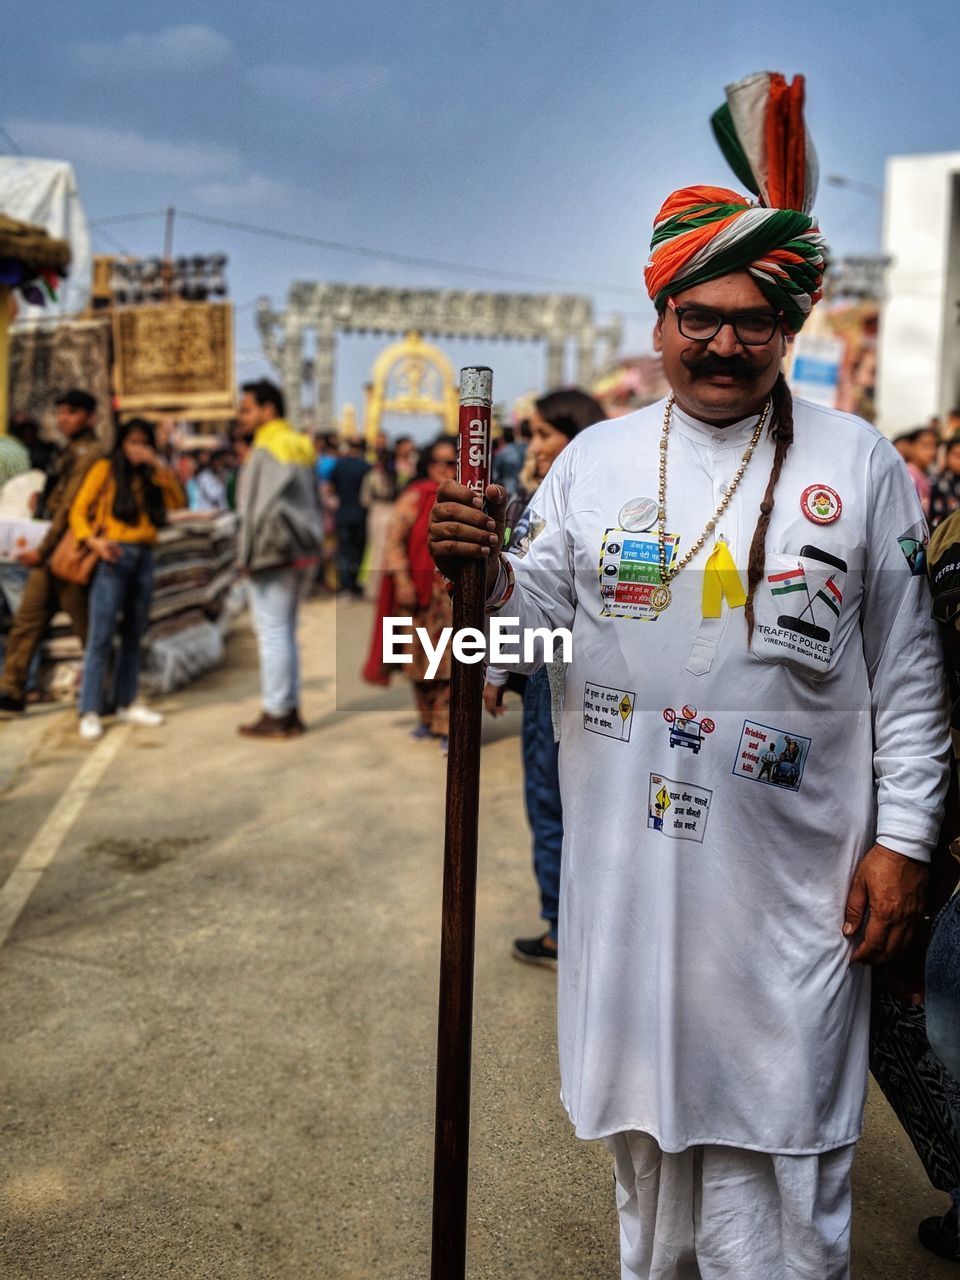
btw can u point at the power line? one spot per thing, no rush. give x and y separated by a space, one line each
855 184
110 240
383 255
128 217
402 258
13 145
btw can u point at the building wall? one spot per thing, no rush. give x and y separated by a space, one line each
919 359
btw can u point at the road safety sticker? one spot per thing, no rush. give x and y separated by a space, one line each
678 809
608 711
630 573
771 756
529 527
913 544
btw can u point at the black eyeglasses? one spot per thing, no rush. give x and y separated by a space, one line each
751 328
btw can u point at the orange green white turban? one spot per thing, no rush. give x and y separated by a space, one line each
702 233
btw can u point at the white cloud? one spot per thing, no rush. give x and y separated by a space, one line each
123 150
253 192
191 47
312 86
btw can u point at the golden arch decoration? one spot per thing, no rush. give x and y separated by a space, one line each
412 377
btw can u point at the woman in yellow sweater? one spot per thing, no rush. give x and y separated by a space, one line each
121 504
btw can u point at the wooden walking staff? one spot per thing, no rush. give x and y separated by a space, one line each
455 1030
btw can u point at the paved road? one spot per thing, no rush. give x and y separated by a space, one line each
218 1007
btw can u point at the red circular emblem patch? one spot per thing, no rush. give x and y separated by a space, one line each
707 725
821 504
689 713
669 715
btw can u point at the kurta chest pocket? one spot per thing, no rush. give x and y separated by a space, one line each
799 616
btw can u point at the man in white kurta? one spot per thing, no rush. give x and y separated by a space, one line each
747 807
706 995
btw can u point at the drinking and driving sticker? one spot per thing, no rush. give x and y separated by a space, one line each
771 756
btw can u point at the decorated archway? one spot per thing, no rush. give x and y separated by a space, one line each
412 377
328 309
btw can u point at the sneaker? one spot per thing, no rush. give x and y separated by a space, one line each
9 705
91 726
941 1236
137 713
535 951
269 727
420 732
294 723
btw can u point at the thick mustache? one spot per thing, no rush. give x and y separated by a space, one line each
732 366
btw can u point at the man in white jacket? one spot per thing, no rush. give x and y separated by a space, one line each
732 559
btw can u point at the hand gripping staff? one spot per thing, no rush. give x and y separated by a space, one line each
455 1024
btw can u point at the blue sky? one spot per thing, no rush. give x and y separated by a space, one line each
527 137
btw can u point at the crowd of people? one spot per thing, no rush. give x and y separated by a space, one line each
932 455
308 509
97 517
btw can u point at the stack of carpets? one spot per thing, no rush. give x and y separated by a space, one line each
196 597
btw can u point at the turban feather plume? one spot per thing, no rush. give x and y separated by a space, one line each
702 233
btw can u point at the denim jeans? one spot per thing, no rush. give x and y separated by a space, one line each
13 580
943 999
118 591
541 779
275 600
351 544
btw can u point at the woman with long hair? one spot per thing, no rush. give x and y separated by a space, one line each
413 585
554 421
122 502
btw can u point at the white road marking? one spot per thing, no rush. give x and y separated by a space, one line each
46 844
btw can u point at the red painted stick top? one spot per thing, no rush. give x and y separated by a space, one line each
476 445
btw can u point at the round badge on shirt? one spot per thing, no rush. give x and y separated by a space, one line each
639 515
821 504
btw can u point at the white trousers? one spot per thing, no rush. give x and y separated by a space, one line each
722 1213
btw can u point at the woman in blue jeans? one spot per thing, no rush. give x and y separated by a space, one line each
121 504
554 420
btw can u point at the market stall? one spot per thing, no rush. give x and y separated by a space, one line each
32 262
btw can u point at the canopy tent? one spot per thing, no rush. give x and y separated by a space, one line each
44 194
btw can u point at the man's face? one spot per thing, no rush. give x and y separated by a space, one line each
251 415
72 420
722 379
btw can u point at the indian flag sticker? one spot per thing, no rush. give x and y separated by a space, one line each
782 584
821 504
831 595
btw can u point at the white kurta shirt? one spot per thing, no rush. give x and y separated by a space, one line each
717 797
